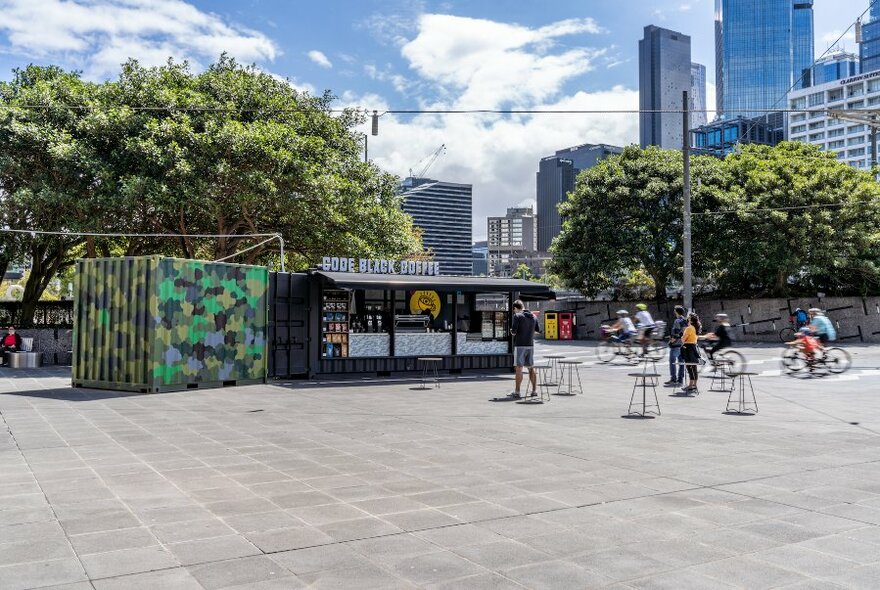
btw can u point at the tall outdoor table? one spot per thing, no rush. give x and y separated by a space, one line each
643 381
738 400
538 396
553 361
572 370
720 375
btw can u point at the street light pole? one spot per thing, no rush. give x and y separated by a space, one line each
687 295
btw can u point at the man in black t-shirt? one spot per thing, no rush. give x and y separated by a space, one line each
721 336
523 327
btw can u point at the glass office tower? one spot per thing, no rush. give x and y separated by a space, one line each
763 48
869 48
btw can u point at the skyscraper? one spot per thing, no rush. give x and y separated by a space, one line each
664 73
555 179
836 66
443 210
698 95
869 47
763 49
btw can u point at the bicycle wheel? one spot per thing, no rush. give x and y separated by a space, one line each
793 361
786 334
737 362
837 360
606 351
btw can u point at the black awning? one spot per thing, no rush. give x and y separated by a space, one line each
353 280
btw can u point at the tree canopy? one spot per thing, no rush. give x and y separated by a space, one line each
784 220
231 150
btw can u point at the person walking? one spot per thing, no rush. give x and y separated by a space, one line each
523 328
689 351
676 366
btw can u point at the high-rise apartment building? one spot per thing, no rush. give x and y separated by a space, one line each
444 212
764 48
511 237
869 46
698 95
664 74
555 179
850 140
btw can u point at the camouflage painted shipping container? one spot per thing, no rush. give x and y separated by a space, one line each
158 324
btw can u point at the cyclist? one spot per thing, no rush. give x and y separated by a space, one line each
623 328
808 345
721 337
821 326
801 318
644 322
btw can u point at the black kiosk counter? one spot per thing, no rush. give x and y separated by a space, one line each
325 322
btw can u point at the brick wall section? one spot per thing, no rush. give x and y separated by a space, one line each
757 320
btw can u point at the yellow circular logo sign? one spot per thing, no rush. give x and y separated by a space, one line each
422 301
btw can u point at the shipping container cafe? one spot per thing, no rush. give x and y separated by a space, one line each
325 322
151 324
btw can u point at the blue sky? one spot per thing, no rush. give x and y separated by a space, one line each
405 54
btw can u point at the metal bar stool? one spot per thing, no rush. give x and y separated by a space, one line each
739 398
430 371
538 397
720 376
573 370
553 361
643 381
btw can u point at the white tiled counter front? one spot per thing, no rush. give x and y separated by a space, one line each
422 344
366 345
466 346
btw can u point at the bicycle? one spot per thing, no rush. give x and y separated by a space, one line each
633 351
788 333
834 360
729 359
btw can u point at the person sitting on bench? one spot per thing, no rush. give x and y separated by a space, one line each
11 342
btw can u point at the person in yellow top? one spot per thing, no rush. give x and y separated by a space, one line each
689 352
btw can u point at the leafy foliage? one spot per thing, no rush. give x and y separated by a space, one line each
784 220
231 150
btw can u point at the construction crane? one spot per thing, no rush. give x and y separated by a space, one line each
429 161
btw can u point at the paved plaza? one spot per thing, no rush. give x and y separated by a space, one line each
377 484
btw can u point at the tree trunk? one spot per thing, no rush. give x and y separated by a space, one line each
46 263
781 287
660 280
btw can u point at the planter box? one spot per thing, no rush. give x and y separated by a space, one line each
153 324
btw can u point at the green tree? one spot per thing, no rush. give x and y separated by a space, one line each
48 174
523 272
798 221
231 150
624 217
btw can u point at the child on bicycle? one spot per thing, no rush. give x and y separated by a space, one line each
623 328
807 344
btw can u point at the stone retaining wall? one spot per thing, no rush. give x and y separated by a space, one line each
757 320
55 344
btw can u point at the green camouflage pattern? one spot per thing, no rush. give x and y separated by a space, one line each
153 323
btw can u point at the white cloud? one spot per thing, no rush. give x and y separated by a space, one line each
499 155
492 63
830 39
100 34
319 58
481 64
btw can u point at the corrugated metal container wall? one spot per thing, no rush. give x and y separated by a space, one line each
159 324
